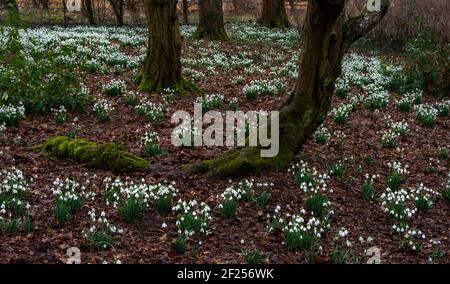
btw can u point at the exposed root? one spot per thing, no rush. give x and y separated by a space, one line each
238 162
182 86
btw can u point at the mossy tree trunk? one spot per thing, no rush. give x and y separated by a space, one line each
274 14
162 67
117 6
211 24
328 35
89 9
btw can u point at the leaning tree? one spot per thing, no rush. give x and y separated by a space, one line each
328 35
211 24
162 67
274 14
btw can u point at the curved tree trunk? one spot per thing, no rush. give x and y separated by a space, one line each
186 12
274 14
117 6
87 5
211 24
327 37
162 67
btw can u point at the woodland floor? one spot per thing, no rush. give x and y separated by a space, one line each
148 242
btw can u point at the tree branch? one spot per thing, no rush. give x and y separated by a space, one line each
357 27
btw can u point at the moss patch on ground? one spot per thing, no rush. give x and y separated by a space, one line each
107 156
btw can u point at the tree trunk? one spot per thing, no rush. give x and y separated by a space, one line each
162 67
87 5
237 7
211 24
35 4
327 37
186 12
117 6
45 4
274 14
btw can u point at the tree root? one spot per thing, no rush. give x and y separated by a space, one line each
238 162
181 87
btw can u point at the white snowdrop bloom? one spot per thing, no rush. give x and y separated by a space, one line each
164 225
242 241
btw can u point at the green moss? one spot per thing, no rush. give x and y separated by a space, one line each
181 87
239 163
107 156
186 86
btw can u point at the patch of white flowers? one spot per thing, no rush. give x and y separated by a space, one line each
263 88
309 180
322 134
150 137
396 206
115 84
2 128
341 113
210 101
409 237
10 114
398 168
300 230
424 195
231 193
102 107
70 191
117 192
13 194
194 217
100 223
426 114
154 112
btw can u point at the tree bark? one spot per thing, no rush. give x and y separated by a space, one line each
87 5
117 6
274 14
237 7
45 4
186 12
328 35
162 67
211 24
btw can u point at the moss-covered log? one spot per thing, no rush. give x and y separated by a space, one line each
328 35
103 157
274 14
211 25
